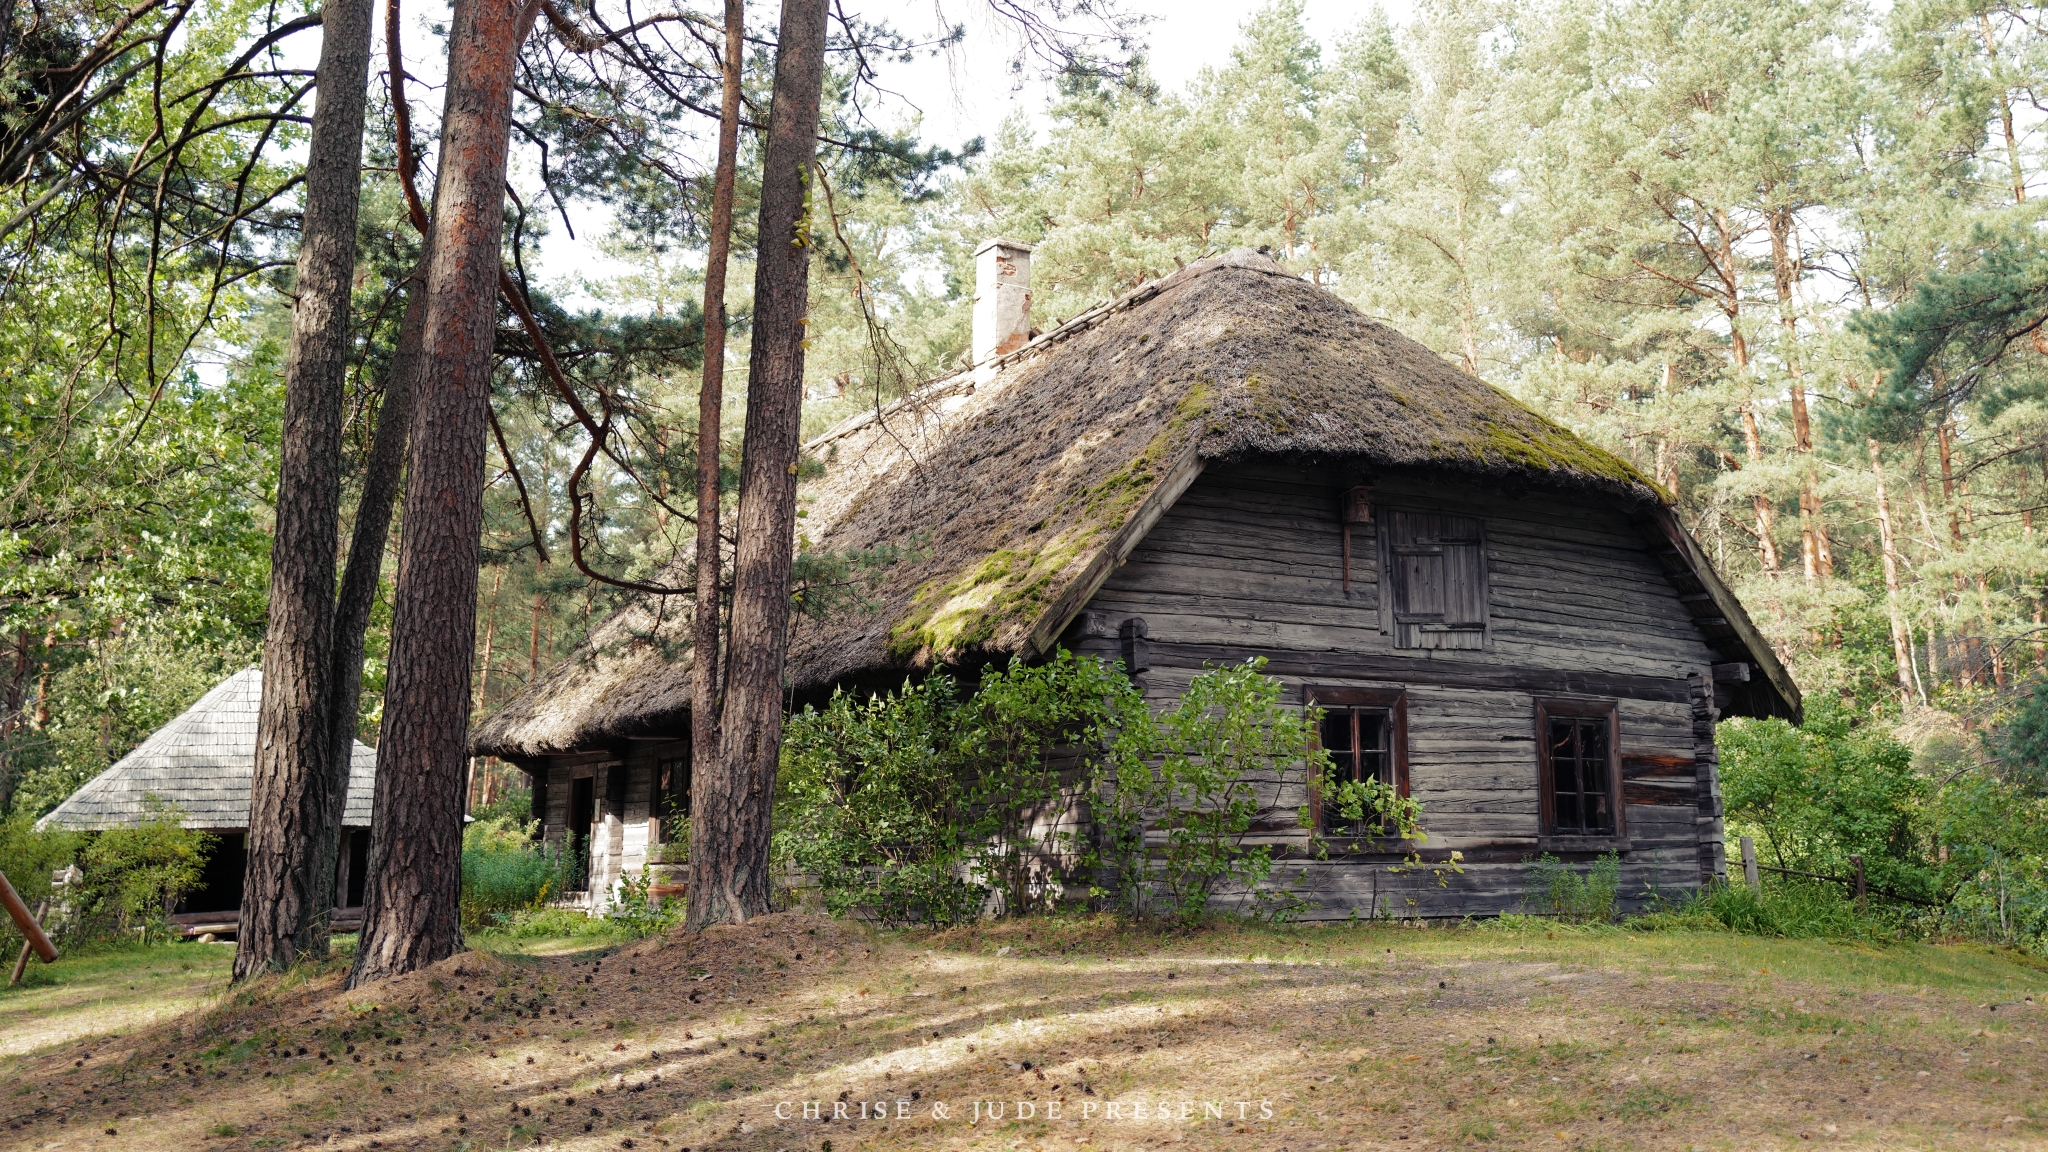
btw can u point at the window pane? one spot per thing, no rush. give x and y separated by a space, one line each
1579 771
1336 733
1337 730
1598 819
1593 740
1560 739
1567 811
1373 758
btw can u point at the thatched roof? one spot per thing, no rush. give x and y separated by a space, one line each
992 505
203 763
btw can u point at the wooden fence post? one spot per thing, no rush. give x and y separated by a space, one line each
1749 875
21 961
1862 889
31 931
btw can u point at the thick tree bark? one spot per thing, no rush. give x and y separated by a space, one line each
411 915
282 915
704 695
383 480
729 846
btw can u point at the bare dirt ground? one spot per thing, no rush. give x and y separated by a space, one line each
801 1033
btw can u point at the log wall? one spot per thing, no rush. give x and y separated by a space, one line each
1250 562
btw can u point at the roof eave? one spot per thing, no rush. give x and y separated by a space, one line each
1781 696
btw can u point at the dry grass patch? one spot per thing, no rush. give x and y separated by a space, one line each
1080 1034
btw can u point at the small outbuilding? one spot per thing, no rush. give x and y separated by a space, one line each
1496 617
202 764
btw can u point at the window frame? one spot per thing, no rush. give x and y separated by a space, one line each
1393 702
1548 835
1383 522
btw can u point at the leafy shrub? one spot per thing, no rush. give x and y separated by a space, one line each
515 805
921 804
28 857
1838 785
1221 752
638 913
545 923
503 870
1995 833
924 806
133 876
1556 889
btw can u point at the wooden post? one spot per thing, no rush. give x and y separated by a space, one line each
21 961
1749 875
30 930
1862 889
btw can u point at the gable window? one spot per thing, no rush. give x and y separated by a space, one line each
1579 770
1433 589
1365 733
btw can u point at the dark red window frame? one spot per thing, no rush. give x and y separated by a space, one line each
1576 715
1389 702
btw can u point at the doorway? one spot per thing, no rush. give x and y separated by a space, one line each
582 814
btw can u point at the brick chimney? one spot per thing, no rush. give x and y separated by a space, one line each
1002 298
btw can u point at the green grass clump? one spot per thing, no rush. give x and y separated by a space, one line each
504 871
516 931
1796 908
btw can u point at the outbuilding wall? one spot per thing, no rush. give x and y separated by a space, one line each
627 815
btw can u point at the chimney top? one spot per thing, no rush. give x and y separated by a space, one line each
1005 242
1002 298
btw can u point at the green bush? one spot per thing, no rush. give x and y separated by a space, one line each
134 876
1995 832
515 806
917 806
504 871
639 914
1174 828
543 923
27 857
1838 785
922 805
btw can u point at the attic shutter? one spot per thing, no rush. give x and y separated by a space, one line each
1434 573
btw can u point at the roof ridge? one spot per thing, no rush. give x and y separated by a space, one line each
1249 259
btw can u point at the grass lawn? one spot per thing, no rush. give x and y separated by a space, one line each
1048 1035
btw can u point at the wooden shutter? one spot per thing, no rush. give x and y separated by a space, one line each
1433 570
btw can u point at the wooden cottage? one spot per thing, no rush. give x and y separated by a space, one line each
1502 620
202 764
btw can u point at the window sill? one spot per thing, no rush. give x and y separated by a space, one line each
1582 843
1366 842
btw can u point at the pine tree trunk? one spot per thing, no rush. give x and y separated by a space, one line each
704 695
1902 651
729 865
383 480
292 787
483 680
1816 554
1753 441
411 914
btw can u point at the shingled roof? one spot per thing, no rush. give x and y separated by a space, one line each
202 763
996 502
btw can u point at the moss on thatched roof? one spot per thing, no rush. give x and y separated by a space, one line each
1002 501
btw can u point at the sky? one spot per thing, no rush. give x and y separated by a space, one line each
969 90
959 100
